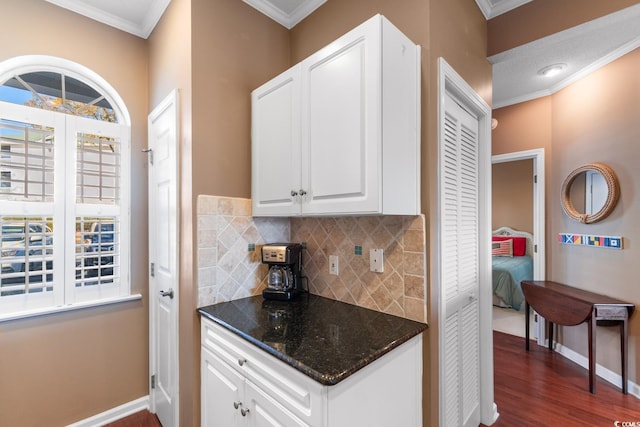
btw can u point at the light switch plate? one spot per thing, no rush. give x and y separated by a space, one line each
376 260
333 265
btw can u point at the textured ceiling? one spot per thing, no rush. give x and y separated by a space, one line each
583 49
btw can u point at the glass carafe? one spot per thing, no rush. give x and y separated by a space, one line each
276 277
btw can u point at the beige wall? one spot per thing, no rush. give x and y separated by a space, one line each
598 119
541 18
512 195
236 49
61 368
215 52
170 59
594 119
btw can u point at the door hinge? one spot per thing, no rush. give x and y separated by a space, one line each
535 249
535 179
149 151
152 269
153 381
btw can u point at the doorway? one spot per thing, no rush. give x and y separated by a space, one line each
516 164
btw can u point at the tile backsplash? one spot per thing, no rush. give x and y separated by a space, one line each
229 242
399 290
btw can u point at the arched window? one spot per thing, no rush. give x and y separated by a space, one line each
64 187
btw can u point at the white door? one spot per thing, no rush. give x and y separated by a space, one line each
596 192
163 271
341 141
459 268
275 145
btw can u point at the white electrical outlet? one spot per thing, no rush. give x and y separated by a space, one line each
376 260
333 265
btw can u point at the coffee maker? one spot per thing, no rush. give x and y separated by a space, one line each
284 280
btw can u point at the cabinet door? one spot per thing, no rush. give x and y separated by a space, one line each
275 145
341 141
266 412
221 388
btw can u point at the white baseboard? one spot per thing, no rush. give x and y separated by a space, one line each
114 414
604 373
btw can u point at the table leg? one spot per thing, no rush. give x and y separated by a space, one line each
592 352
624 333
526 325
550 334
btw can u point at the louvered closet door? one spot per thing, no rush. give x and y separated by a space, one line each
460 403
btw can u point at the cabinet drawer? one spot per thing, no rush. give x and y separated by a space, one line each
611 312
294 390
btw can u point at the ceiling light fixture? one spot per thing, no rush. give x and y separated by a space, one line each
552 70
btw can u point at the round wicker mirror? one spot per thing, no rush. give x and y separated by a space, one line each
610 198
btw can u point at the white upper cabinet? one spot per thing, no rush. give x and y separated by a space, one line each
275 147
339 133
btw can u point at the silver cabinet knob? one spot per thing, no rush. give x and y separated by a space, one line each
236 405
241 362
244 412
302 192
294 193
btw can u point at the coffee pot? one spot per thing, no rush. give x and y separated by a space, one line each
284 276
280 278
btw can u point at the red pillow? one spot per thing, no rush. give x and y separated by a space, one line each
519 244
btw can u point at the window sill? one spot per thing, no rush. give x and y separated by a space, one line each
65 308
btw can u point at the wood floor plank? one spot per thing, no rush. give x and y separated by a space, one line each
139 419
543 388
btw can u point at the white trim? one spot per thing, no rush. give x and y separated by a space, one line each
491 9
65 308
114 414
287 20
449 81
604 373
33 63
141 27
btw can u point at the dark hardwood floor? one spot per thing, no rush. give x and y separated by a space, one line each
139 419
535 388
543 388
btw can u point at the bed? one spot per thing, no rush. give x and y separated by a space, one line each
512 262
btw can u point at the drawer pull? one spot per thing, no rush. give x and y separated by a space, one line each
241 362
236 405
244 412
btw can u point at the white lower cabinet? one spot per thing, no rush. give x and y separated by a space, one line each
243 385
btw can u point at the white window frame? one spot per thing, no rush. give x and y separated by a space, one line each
66 296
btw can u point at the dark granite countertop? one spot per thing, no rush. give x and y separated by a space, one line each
325 339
